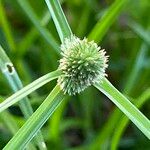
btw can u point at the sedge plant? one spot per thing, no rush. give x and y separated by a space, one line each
82 64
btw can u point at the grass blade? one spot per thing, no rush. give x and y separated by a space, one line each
125 106
107 20
122 124
59 18
136 69
6 28
36 121
31 36
11 125
10 121
139 30
82 26
116 115
106 130
55 122
11 75
43 31
29 89
15 83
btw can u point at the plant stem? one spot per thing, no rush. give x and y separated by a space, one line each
125 106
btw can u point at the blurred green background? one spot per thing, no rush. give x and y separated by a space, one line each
88 120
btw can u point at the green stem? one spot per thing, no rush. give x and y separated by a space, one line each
59 19
36 121
125 106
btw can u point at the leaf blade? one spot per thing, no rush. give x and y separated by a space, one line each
28 89
125 106
104 24
59 19
36 121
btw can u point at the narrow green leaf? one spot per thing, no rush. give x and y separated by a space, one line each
136 70
11 124
107 20
125 106
140 31
29 89
83 23
115 116
12 77
55 122
122 124
106 130
15 83
30 37
10 121
6 28
59 19
43 31
36 121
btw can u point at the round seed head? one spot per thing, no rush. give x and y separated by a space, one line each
82 64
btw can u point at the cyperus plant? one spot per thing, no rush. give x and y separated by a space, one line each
83 63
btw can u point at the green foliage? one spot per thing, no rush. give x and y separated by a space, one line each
87 120
32 126
59 19
104 24
125 106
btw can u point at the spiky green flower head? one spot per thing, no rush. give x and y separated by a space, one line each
83 63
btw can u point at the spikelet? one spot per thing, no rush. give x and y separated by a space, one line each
82 64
